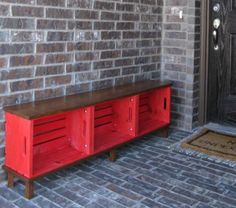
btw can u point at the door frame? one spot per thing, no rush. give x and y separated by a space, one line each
204 57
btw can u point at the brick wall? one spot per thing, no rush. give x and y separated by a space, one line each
181 59
51 48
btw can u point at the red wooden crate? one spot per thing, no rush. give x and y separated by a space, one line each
61 139
115 122
154 110
49 142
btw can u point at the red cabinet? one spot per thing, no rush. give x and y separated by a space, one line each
44 143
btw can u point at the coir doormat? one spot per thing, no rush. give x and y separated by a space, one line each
212 143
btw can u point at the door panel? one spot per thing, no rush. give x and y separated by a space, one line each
233 71
234 5
222 62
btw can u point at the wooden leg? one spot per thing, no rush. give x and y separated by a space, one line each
112 155
10 180
29 189
166 132
163 132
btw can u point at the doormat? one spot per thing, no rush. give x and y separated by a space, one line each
212 143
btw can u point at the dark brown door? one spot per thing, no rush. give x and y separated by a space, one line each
221 105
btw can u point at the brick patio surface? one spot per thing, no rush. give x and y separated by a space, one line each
148 173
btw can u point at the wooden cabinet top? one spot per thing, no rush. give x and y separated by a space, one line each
38 109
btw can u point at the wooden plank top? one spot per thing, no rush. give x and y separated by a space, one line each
38 109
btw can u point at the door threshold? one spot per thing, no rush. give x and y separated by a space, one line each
222 127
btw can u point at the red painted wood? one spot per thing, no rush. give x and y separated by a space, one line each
151 125
35 147
126 115
51 160
115 122
48 136
49 127
81 129
19 144
161 101
103 121
50 146
62 139
101 112
154 110
108 139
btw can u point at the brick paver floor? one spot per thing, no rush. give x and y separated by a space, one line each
148 173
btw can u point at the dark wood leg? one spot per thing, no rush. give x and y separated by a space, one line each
10 180
164 132
29 189
112 155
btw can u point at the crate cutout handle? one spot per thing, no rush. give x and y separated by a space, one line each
130 114
165 103
84 128
25 146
